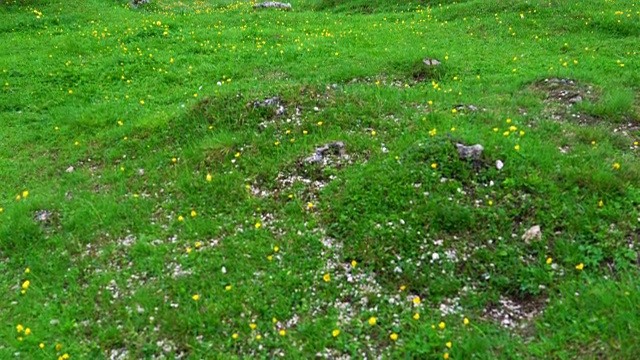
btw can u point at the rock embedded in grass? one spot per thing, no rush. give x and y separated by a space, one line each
469 152
431 62
534 233
272 4
334 148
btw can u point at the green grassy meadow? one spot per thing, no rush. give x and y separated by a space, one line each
153 207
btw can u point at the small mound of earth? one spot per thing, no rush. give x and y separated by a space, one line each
560 97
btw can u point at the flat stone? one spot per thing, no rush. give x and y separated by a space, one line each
431 62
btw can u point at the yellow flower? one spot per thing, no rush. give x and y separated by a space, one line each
335 332
209 177
193 213
141 102
258 225
58 347
580 266
319 123
19 328
41 345
258 337
180 218
442 325
403 287
506 133
25 194
276 143
354 263
234 336
616 166
521 132
465 321
453 111
549 260
372 320
276 249
274 320
416 316
174 160
517 147
416 300
433 132
270 257
282 332
65 356
27 270
373 133
453 129
198 244
393 336
196 297
228 287
189 250
195 95
25 285
490 202
27 332
434 165
600 203
253 326
513 128
445 356
430 102
237 155
326 277
449 344
309 205
508 121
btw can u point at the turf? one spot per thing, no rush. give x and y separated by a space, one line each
152 205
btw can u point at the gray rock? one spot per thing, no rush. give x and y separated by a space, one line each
42 216
499 164
431 62
335 148
70 169
469 152
575 99
534 233
272 4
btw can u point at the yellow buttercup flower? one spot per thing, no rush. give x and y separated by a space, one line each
372 320
196 297
326 277
393 336
335 332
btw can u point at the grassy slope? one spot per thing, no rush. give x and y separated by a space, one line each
72 70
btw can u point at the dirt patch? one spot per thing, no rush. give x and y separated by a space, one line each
561 96
515 313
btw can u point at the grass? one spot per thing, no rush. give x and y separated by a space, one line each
148 209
